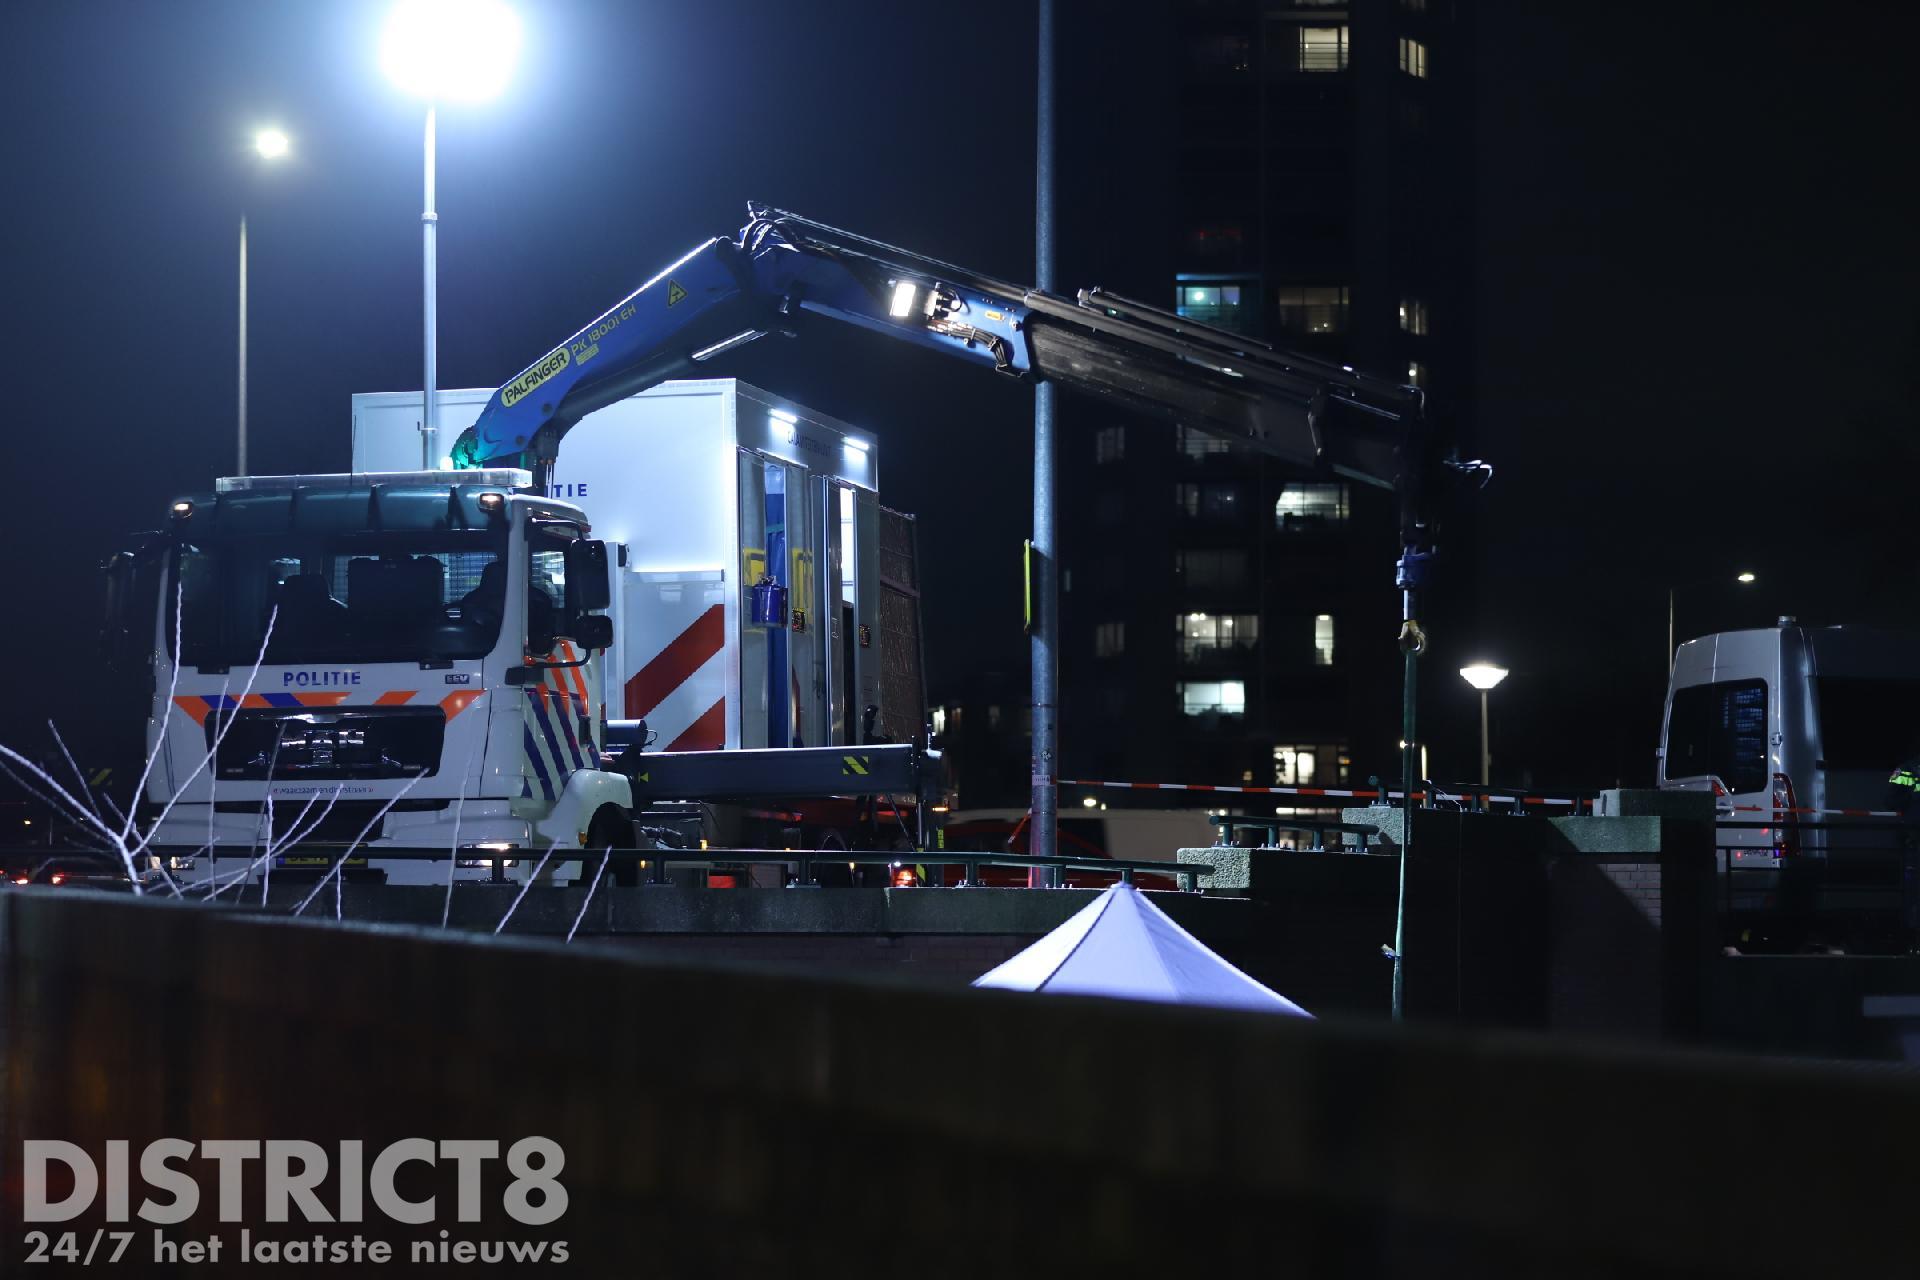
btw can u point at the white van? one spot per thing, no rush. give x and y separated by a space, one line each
1790 718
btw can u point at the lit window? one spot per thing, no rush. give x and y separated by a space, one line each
1315 503
1323 640
1109 444
1211 570
1109 639
1215 503
1224 304
1313 309
1205 634
1413 57
1294 766
1213 697
1199 444
1323 48
1416 373
1413 316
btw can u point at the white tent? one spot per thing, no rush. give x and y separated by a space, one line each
1122 945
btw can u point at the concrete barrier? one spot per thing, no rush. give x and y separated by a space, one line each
726 1121
1601 925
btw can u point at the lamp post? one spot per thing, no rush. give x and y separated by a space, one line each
1745 578
441 51
268 144
1484 676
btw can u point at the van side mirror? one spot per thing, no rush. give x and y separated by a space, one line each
587 587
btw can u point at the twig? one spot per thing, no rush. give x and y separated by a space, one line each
348 852
538 868
453 854
590 889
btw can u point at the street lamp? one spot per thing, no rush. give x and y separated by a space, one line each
1745 578
1484 676
445 50
269 145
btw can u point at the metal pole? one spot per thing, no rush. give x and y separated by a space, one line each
1486 760
1046 612
429 221
1406 823
243 347
1410 574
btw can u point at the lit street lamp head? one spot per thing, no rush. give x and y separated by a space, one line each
1483 675
270 143
450 50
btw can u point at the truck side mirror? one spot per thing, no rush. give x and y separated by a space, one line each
593 632
587 587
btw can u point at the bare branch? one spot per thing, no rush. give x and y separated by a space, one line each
348 852
608 853
220 728
81 778
459 811
538 868
166 713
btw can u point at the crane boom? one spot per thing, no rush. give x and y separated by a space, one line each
782 269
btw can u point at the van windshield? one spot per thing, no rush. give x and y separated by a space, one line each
1868 722
1720 730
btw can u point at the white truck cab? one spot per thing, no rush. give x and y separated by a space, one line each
378 660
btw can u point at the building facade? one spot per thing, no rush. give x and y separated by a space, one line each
1227 620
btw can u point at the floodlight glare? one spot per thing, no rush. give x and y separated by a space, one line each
1483 675
270 143
450 50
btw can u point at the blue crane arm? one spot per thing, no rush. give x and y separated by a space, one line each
722 295
782 271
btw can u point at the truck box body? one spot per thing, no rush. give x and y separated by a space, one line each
713 487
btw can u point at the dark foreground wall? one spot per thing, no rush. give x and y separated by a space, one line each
730 1122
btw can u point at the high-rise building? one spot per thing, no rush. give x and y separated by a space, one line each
1228 620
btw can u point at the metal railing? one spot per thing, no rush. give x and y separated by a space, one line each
1853 883
1229 824
800 866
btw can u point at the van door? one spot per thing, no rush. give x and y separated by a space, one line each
1717 733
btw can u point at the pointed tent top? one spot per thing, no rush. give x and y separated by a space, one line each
1123 946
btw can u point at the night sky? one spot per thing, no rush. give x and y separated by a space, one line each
1695 290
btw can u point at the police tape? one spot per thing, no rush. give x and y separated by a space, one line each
1840 813
1574 802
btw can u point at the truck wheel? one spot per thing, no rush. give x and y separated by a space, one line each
610 828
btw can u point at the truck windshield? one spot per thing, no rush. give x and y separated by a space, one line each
1867 722
350 596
